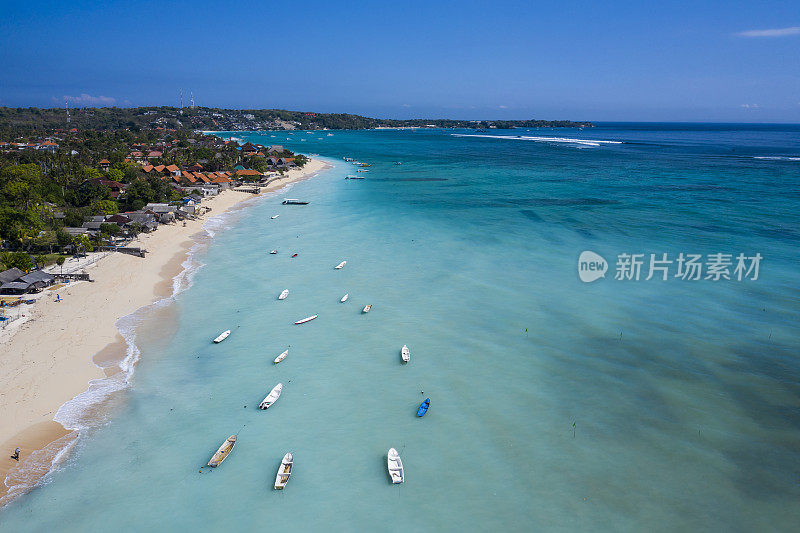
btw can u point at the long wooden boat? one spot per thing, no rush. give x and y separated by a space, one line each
223 452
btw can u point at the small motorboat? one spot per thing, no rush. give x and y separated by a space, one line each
222 336
307 319
273 252
284 471
367 308
423 407
354 178
340 265
273 217
283 294
395 466
405 354
293 201
345 297
281 357
294 255
223 452
272 397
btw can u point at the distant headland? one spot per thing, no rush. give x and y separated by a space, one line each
216 119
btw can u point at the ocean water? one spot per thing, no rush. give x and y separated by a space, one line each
556 405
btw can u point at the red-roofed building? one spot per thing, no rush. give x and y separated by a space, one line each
154 154
105 164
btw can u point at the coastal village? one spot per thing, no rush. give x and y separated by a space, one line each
112 192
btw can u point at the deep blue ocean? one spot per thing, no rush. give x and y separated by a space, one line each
556 404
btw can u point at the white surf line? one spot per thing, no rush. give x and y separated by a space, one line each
568 140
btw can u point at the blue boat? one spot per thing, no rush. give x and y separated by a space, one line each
423 407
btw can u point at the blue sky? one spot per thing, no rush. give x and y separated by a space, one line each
637 61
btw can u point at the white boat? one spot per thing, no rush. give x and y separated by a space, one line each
273 217
284 294
272 397
395 466
307 319
340 265
273 252
222 336
281 357
284 471
367 308
405 353
345 297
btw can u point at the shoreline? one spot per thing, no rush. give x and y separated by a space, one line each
46 369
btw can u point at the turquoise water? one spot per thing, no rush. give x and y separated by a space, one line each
555 404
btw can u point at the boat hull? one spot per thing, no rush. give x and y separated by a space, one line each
423 407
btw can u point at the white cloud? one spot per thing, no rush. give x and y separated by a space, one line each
89 100
503 106
776 32
749 106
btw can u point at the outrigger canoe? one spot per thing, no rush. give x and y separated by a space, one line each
423 407
223 452
307 319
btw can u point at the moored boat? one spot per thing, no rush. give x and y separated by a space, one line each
223 451
281 357
283 294
405 354
294 255
273 252
340 265
273 217
423 407
293 201
395 466
272 397
222 336
307 319
284 471
367 308
345 297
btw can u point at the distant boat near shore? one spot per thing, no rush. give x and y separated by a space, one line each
344 298
273 217
395 466
405 354
281 357
284 471
283 294
367 308
222 336
340 265
293 201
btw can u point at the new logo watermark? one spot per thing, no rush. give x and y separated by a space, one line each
591 266
685 266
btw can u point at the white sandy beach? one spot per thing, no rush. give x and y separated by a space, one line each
50 358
